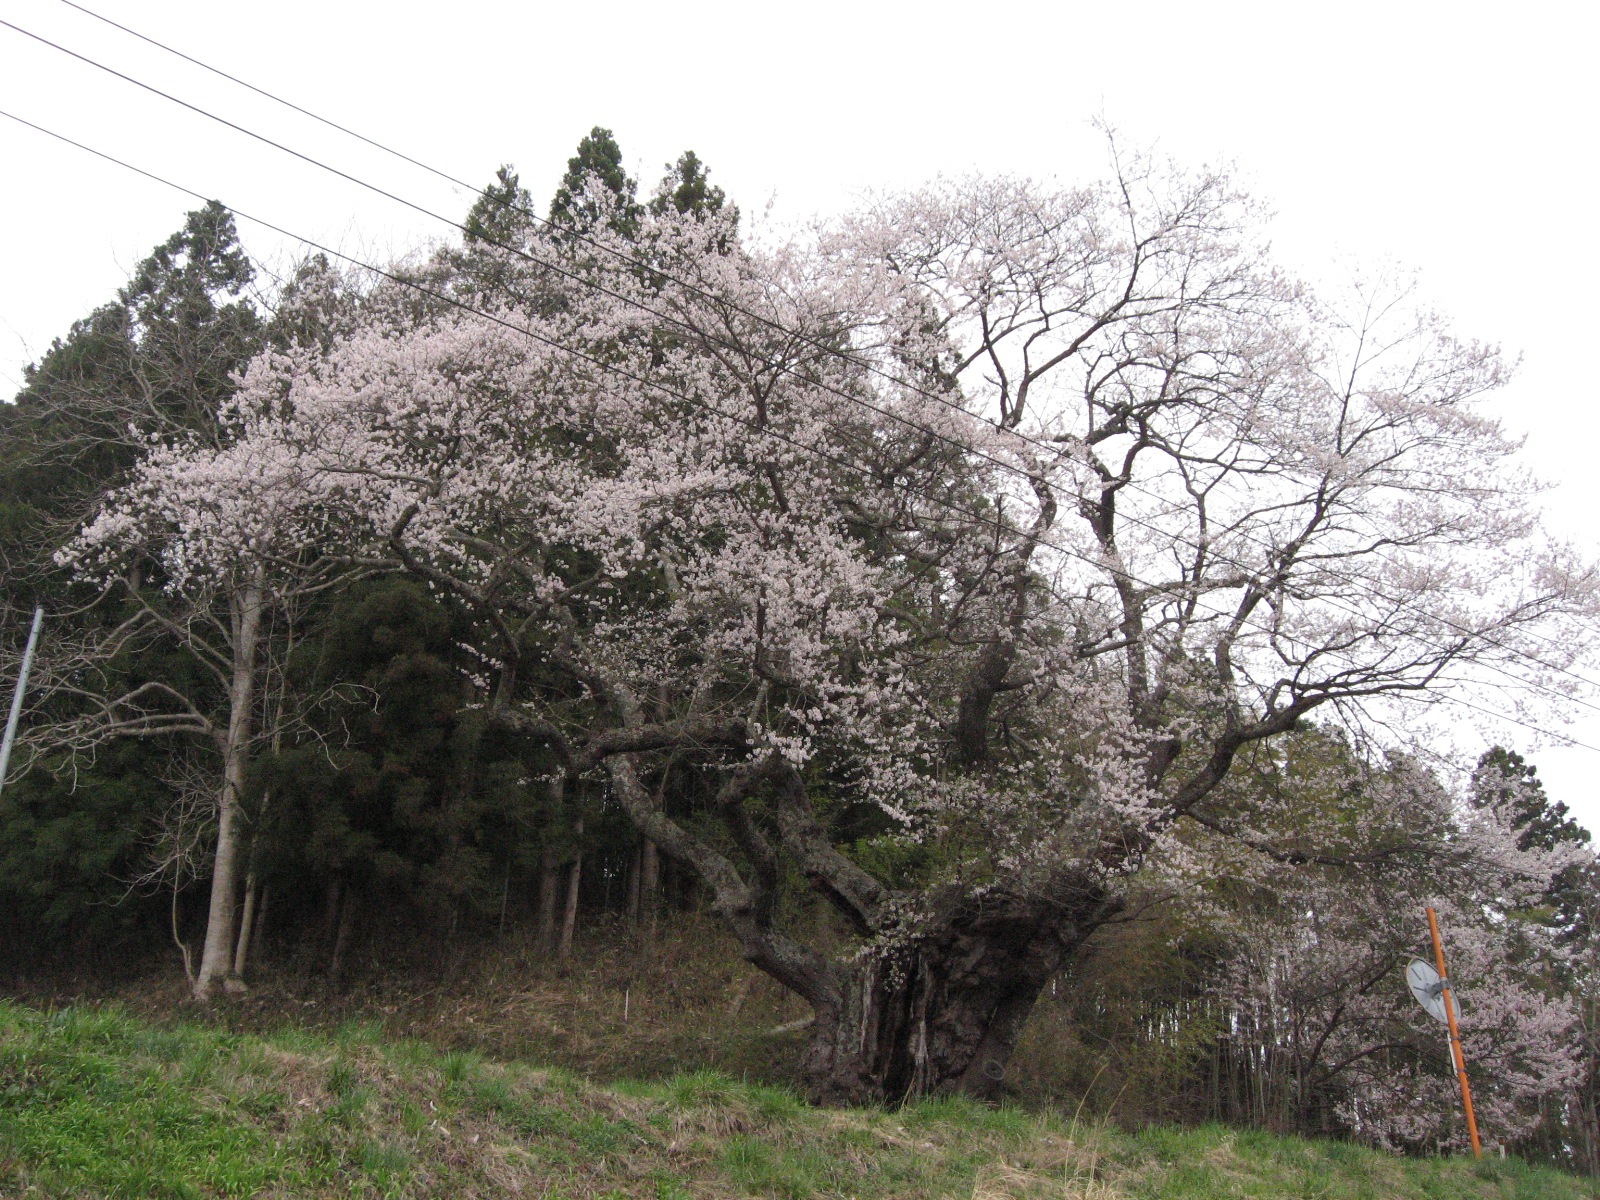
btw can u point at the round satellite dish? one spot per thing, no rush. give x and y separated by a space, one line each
1427 987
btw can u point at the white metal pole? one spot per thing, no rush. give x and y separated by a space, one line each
16 696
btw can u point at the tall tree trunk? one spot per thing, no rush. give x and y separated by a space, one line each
177 936
245 618
935 1003
942 1015
251 918
650 883
241 953
546 924
341 943
635 867
569 918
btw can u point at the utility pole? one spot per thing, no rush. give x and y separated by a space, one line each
16 696
1455 1034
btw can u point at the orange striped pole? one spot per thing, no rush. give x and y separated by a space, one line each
1455 1035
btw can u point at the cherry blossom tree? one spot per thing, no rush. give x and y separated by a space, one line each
203 544
1354 1053
946 559
1315 993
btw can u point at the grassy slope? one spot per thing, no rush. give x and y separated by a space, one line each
97 1103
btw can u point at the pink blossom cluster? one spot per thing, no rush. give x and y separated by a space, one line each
1019 512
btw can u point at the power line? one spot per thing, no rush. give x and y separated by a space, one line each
972 514
981 518
1571 741
853 399
826 348
776 326
305 112
555 267
574 277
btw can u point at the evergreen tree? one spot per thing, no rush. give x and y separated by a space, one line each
685 187
420 811
60 443
192 320
503 212
600 157
491 265
157 360
313 307
1506 780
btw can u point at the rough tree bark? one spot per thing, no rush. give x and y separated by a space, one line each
942 1015
937 1002
936 1011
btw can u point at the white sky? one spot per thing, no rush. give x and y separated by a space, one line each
1457 139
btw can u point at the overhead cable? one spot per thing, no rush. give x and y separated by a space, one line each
971 514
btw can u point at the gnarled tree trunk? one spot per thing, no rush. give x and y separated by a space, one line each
942 1015
938 1012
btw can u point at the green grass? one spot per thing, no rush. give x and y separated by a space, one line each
96 1103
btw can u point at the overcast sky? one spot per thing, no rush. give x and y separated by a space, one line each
1455 139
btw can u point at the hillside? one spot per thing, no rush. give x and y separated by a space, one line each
97 1103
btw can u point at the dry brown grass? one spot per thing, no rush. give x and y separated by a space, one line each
624 1006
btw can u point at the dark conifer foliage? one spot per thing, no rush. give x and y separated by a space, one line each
80 840
388 795
157 360
401 797
503 213
386 809
1504 778
59 444
687 188
598 156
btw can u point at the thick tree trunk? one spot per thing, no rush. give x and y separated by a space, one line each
942 1015
935 1010
217 958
